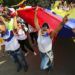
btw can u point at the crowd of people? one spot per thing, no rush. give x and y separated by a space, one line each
16 36
19 37
63 5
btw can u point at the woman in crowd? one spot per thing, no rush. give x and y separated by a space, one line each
23 36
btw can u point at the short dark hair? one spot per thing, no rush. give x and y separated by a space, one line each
45 25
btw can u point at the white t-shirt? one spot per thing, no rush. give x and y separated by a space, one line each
12 43
21 35
44 43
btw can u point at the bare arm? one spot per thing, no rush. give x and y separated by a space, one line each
36 20
55 32
3 20
15 23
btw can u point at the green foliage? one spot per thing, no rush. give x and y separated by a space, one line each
11 2
43 3
33 2
1 1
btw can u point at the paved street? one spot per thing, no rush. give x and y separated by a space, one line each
64 52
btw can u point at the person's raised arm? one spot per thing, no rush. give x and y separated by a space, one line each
2 18
36 19
15 23
55 32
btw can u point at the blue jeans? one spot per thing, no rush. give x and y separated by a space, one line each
45 61
18 58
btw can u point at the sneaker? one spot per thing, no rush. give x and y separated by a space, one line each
25 68
35 53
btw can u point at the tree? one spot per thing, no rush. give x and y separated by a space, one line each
33 2
11 2
1 1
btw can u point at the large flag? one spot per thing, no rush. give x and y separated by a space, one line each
71 21
43 17
66 31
